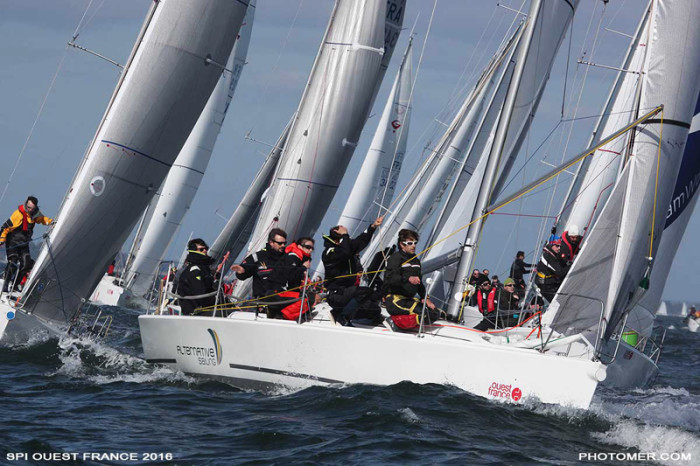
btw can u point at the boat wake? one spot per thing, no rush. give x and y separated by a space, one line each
93 360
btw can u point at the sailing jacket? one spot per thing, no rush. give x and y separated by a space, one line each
267 267
294 265
196 279
341 258
551 269
507 301
518 269
399 268
569 248
19 228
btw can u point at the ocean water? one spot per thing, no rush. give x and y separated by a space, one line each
77 397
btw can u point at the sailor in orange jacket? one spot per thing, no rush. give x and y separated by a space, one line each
17 233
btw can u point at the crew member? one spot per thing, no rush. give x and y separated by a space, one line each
296 265
518 269
197 279
17 233
551 270
570 244
486 300
267 268
403 282
343 269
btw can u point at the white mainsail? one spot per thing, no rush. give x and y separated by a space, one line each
380 170
169 207
167 81
342 85
623 242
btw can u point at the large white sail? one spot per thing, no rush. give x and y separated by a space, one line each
169 207
624 240
333 110
680 209
163 89
598 172
380 170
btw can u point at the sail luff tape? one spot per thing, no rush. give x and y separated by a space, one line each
356 46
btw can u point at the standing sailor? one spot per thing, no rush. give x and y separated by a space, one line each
17 233
551 270
197 279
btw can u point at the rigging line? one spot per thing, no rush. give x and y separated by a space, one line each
77 28
36 120
656 185
410 97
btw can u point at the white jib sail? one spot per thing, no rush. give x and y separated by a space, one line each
679 212
376 180
169 208
342 85
454 146
598 172
163 89
615 257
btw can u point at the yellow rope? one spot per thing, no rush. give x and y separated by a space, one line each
656 184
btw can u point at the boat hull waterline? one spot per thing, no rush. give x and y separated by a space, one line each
298 356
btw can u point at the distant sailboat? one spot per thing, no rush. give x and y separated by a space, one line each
168 208
166 83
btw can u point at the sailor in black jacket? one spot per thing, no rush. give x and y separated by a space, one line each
196 279
551 270
343 269
403 281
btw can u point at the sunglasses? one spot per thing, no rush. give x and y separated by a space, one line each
409 243
307 246
509 285
281 243
202 248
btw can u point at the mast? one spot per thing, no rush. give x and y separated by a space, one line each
155 105
455 300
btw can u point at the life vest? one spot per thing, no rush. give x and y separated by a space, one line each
491 301
572 250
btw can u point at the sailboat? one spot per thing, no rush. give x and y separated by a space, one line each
165 213
171 72
560 361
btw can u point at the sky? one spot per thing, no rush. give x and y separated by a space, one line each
68 90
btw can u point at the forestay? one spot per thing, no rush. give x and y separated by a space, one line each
168 208
631 223
162 91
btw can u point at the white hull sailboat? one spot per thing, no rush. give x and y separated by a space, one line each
579 343
252 351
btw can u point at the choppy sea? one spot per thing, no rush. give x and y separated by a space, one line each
78 401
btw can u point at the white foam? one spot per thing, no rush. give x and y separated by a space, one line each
652 439
407 414
114 366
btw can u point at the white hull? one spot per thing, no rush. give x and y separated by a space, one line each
16 326
631 368
110 294
263 354
693 325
